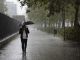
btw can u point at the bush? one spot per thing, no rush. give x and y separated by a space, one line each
71 33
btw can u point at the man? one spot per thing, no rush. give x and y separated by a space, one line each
24 35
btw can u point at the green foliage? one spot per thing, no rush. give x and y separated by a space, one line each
71 33
50 12
51 7
38 15
70 11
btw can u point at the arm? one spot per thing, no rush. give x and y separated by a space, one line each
27 31
20 31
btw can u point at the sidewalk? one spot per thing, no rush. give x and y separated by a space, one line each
41 46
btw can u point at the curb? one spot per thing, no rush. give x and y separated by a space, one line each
7 39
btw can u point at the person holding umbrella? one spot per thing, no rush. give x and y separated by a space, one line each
24 31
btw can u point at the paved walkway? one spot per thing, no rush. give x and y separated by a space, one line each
41 46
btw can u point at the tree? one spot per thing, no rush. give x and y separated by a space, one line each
2 6
55 6
77 4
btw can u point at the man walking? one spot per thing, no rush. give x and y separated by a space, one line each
24 31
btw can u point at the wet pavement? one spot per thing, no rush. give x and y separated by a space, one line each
41 46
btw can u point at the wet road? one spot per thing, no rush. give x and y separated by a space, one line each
41 46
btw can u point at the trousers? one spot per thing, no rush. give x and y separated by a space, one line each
24 44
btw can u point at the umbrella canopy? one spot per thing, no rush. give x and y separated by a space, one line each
28 23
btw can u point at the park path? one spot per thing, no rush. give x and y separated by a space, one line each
41 46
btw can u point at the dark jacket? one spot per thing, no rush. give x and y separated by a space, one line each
21 32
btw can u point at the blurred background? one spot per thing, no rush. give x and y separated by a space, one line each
55 32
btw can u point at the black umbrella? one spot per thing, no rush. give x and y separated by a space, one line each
28 23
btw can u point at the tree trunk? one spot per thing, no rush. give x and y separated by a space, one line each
59 24
76 24
45 24
63 22
72 23
63 17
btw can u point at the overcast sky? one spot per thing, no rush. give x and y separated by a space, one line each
20 11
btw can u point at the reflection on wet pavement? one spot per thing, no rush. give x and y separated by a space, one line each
41 46
24 57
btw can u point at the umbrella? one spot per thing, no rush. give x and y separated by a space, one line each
28 23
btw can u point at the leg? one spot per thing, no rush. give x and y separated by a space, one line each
25 44
22 41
